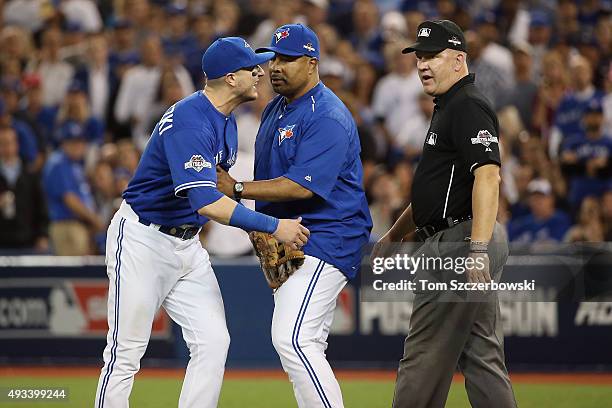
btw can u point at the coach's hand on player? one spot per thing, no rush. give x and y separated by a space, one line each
225 182
478 270
292 232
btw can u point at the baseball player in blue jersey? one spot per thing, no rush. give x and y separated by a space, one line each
307 164
153 255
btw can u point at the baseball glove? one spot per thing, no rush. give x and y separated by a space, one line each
278 261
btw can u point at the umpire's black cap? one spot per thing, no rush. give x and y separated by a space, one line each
438 35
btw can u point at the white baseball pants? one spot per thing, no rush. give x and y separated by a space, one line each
148 269
303 313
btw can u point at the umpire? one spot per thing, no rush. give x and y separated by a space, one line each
454 199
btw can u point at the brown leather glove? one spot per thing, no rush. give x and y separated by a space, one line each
278 261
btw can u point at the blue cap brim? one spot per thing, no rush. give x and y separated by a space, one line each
277 50
262 57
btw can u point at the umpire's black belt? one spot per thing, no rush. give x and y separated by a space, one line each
183 232
430 230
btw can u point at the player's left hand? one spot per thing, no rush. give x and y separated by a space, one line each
478 272
225 182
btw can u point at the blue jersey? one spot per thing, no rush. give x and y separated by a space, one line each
585 149
313 141
527 229
191 138
28 149
60 176
568 115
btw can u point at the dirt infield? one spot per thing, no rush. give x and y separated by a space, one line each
366 375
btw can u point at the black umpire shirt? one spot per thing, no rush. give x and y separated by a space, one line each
463 136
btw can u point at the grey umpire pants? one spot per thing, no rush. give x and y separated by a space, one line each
444 335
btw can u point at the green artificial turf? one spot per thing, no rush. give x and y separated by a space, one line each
267 393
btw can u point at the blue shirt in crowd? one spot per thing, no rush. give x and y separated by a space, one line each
528 229
568 116
60 176
585 149
313 141
28 148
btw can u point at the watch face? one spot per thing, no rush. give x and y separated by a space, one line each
238 187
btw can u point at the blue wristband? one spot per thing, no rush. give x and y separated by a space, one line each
250 220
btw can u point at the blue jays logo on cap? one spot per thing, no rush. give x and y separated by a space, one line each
280 34
285 133
302 41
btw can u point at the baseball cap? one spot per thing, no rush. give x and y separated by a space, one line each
294 40
594 106
486 17
539 18
71 130
229 54
436 36
539 185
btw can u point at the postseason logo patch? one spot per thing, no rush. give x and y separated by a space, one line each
280 34
197 163
455 41
485 138
309 47
285 133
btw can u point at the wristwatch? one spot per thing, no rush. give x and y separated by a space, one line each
238 189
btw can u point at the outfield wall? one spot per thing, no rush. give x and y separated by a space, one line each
54 310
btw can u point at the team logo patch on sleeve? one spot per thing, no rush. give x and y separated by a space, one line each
485 138
197 163
285 133
280 34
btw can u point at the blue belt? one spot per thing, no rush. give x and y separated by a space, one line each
183 232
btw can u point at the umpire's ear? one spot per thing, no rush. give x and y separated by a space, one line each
460 61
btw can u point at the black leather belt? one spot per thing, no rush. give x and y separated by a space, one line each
430 230
183 232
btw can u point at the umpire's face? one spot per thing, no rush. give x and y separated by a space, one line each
439 71
290 76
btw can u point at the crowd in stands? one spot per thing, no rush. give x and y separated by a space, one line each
83 83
